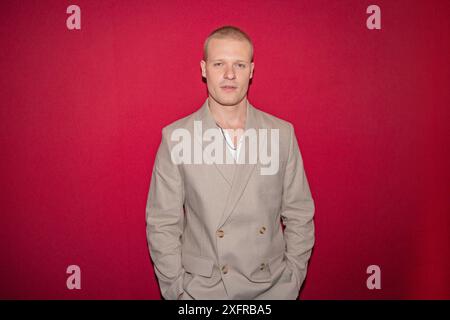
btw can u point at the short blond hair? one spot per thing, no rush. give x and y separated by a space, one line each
227 32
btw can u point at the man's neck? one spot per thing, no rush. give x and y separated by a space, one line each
229 117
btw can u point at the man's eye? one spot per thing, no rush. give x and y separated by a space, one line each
241 65
217 63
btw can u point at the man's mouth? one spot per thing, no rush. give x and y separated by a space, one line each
228 88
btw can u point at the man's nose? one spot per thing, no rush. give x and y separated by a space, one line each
229 73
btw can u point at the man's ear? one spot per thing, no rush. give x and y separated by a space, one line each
203 66
252 66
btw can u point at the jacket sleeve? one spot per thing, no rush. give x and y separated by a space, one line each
297 212
165 221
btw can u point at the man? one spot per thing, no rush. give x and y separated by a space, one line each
214 229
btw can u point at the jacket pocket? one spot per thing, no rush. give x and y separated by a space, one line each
267 269
197 265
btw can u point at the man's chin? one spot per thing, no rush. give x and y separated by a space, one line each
228 101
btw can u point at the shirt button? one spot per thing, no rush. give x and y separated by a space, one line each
225 269
262 266
262 230
220 233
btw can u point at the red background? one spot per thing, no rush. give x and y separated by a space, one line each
82 112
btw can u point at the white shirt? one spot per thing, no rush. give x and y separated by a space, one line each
229 142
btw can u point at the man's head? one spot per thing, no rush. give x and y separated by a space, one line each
227 65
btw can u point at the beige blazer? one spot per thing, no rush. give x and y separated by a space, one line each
214 230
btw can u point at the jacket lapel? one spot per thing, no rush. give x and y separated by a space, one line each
243 170
207 121
237 174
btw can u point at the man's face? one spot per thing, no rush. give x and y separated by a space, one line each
228 70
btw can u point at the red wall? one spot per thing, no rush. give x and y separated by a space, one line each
82 112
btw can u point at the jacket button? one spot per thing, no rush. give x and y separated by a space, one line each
220 233
262 230
225 269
